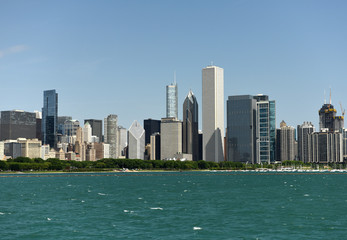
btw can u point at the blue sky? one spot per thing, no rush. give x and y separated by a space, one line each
116 57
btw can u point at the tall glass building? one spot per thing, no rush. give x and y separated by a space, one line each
190 128
172 101
50 117
241 129
266 129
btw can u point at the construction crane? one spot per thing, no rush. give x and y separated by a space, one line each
342 110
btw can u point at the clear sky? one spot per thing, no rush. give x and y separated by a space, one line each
116 57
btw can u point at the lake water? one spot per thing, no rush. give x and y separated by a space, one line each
173 205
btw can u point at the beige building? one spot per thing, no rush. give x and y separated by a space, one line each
31 148
213 113
170 138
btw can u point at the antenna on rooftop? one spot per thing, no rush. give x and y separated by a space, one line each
342 110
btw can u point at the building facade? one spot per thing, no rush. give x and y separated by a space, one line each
190 127
241 129
170 138
96 127
50 117
266 129
136 141
285 143
17 124
151 126
172 101
111 135
304 130
213 113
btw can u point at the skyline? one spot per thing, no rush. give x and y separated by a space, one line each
104 58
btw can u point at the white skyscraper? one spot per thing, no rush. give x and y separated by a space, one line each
136 141
213 113
87 133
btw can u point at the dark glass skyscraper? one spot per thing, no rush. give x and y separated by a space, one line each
49 117
190 127
241 128
17 124
151 126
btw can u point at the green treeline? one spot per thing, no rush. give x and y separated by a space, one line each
53 164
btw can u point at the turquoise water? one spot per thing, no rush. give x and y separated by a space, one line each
173 205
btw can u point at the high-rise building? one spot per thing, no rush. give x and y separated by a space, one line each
344 140
172 101
170 138
136 141
155 146
190 127
70 127
49 117
325 147
151 126
17 124
87 133
266 129
38 125
329 120
96 127
213 113
241 129
122 140
285 143
111 135
304 130
61 122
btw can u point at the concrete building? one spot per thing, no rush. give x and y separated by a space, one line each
241 129
190 127
170 138
96 127
122 140
213 113
70 127
155 146
172 101
17 124
12 149
285 143
87 133
2 151
61 121
50 117
30 148
111 134
266 129
136 140
304 130
325 147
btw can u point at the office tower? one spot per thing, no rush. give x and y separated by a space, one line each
151 126
155 146
122 140
87 132
96 127
344 141
30 148
61 120
170 138
304 130
329 120
241 128
213 113
266 129
38 125
285 143
136 141
172 101
190 127
325 147
70 127
17 124
49 117
111 134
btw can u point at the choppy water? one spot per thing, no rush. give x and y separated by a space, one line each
186 205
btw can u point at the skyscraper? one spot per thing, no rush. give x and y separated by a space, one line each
285 143
170 138
241 128
151 126
329 120
266 129
304 130
136 141
190 127
172 101
96 127
49 117
213 113
17 124
111 134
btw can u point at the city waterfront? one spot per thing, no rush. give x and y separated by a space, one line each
174 205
